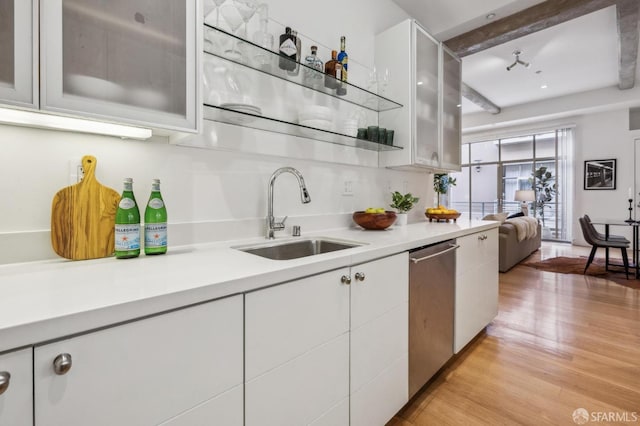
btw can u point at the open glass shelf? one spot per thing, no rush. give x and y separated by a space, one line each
244 119
235 49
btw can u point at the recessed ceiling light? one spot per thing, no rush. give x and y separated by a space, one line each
419 83
544 86
491 16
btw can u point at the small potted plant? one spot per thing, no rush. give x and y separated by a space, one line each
441 184
402 203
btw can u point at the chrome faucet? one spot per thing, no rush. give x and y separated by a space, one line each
272 225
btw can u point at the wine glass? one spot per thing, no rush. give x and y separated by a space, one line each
383 81
246 8
233 18
209 7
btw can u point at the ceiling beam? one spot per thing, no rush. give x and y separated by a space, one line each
627 14
527 21
475 97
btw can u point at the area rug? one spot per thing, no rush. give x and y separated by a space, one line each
575 265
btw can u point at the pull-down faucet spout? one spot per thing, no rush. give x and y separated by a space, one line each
272 225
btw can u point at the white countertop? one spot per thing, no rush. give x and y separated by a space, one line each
48 300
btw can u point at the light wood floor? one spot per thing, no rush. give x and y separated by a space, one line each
560 342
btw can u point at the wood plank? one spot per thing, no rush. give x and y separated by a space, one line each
560 342
627 14
527 21
478 99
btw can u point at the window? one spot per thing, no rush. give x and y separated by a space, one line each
493 170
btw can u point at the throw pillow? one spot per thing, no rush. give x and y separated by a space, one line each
500 217
519 214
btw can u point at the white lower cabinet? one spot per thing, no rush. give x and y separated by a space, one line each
146 372
476 301
297 352
16 396
379 340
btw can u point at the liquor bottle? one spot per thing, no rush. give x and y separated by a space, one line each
343 58
332 71
155 222
312 61
298 42
264 39
127 230
288 51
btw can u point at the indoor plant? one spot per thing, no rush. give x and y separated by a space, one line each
441 184
402 203
543 182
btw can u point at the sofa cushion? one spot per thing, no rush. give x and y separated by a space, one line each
500 217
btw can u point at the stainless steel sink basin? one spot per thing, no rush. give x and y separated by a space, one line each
297 248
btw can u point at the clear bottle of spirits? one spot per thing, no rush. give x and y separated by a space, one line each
312 61
298 42
155 222
288 51
264 39
127 229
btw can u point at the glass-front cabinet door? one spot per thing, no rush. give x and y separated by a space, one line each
18 50
426 99
121 60
451 104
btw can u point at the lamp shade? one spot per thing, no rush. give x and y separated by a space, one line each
525 195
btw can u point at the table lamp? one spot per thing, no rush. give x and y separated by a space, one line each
525 195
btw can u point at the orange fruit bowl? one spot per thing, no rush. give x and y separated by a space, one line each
446 217
374 221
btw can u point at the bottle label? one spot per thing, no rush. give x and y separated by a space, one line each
338 72
288 47
155 235
127 237
156 203
127 203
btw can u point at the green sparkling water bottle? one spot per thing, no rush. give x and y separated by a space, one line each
155 222
127 224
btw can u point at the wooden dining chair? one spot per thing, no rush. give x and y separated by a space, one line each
590 235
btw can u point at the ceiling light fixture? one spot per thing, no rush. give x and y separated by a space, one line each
544 86
517 54
55 122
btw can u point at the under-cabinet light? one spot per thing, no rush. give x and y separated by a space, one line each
56 122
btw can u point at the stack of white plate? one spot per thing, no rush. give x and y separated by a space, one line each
348 127
316 116
238 118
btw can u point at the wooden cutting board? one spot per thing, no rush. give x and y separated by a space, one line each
83 217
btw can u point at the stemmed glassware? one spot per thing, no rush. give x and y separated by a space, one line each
246 8
234 19
209 6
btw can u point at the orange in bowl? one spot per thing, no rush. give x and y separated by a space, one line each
374 221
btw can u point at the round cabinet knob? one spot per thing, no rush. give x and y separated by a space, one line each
5 378
62 364
345 280
482 237
360 276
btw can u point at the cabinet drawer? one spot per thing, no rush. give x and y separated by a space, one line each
377 344
475 249
300 391
225 409
287 320
16 402
385 286
143 372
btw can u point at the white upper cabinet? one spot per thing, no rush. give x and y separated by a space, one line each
426 80
131 61
19 64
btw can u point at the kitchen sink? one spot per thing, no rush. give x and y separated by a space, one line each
298 248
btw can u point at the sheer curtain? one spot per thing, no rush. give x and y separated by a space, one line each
565 179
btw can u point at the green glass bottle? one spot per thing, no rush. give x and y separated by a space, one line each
127 224
155 222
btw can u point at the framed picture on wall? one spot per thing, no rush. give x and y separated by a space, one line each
600 174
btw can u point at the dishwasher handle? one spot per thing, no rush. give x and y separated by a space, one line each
431 256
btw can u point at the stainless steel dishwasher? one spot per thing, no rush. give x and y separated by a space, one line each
431 297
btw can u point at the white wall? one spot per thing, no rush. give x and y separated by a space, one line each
211 194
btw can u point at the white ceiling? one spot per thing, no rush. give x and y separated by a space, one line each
573 57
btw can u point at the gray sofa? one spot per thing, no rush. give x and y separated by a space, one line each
512 251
